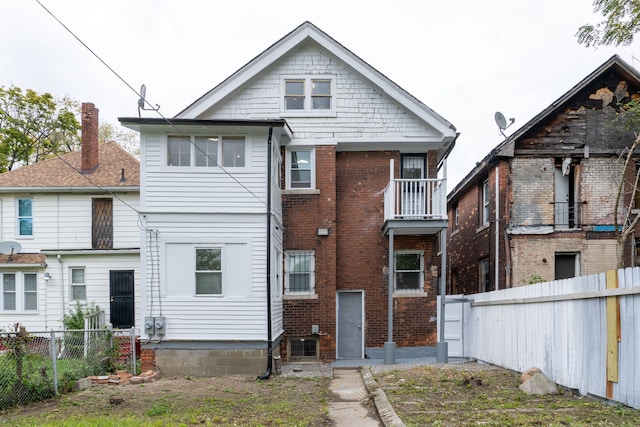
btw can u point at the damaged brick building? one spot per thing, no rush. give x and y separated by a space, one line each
540 205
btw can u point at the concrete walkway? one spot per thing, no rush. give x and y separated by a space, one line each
350 403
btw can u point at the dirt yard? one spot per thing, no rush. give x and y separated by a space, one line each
227 401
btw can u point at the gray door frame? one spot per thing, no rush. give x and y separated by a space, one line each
360 323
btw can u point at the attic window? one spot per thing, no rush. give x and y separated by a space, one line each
309 95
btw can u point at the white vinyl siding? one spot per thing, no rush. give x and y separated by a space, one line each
206 189
239 313
63 221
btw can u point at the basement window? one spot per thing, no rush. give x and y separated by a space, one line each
303 349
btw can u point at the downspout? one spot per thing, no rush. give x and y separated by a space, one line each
267 374
61 287
497 253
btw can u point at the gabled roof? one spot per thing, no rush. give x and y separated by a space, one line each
506 148
62 174
308 31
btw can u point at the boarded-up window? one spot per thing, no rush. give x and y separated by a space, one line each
102 224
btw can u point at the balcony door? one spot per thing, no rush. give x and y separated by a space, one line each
413 175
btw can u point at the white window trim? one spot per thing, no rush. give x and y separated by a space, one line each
312 159
72 285
25 236
485 202
192 156
19 292
222 272
404 292
307 110
312 274
482 265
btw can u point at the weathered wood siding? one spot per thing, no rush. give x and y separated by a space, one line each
362 110
566 339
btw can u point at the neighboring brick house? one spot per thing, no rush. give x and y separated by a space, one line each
540 205
303 224
74 219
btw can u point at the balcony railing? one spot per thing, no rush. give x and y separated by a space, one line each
566 215
415 199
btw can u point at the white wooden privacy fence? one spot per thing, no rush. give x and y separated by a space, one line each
583 333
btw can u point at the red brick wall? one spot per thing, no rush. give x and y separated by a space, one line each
363 251
303 214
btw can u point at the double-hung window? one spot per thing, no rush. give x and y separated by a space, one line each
30 283
208 271
409 270
25 217
300 169
9 291
299 272
78 284
19 292
309 94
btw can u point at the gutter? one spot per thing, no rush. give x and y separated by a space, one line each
267 374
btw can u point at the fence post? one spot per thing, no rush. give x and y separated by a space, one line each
133 351
54 361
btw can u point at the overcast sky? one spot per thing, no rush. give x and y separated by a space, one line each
466 59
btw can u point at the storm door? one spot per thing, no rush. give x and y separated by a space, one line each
121 286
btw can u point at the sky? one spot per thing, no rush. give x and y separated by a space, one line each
465 59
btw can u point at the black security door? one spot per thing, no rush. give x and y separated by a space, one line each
121 292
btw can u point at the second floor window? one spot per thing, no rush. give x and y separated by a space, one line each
25 217
300 169
206 151
102 224
485 202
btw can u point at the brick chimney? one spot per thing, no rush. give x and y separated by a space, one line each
89 137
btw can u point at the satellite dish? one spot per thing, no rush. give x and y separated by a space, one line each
502 122
142 100
10 248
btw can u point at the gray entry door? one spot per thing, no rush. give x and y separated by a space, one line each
350 325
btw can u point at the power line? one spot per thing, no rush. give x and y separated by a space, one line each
149 104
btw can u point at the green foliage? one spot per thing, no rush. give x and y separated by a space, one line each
75 318
622 22
534 278
33 127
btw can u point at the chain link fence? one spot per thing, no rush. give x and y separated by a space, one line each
38 365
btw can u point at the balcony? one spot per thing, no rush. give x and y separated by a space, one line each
566 215
415 206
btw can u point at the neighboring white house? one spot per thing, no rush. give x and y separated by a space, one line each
218 179
69 232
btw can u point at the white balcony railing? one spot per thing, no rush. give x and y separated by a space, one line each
415 199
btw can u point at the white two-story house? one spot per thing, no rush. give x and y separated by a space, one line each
69 233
